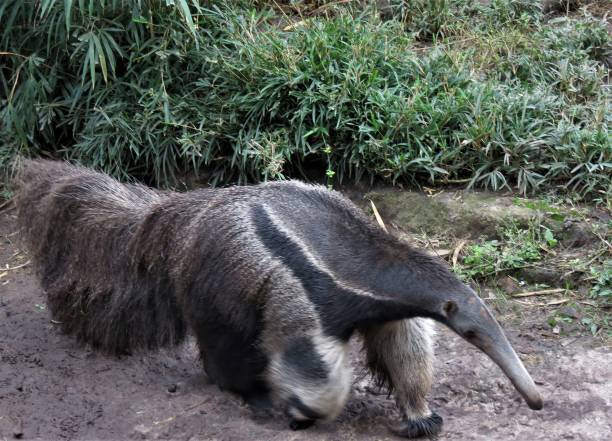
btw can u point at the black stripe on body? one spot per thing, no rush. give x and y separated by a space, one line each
302 357
340 309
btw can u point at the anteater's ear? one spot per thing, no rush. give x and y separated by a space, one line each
450 308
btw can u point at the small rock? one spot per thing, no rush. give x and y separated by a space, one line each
172 388
142 431
577 234
556 329
508 285
570 312
549 276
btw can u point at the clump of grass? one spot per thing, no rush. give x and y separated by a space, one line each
426 20
598 316
591 314
583 307
518 247
552 209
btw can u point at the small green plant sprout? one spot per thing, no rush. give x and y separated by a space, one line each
329 173
481 260
558 320
590 324
6 194
601 288
517 248
550 238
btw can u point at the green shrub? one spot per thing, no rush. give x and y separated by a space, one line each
154 89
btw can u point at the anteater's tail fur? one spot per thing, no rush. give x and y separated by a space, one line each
100 265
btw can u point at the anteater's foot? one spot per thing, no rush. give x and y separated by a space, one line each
300 424
427 426
261 406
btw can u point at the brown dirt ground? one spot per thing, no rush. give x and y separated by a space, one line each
57 389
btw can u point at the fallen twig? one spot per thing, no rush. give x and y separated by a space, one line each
16 267
538 293
556 302
457 251
167 420
441 252
503 270
551 303
187 409
603 239
5 203
583 268
193 406
377 216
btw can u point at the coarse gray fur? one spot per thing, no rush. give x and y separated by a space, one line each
272 279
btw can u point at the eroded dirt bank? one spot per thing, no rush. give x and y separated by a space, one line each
52 388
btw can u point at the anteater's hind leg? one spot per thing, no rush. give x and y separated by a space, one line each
400 355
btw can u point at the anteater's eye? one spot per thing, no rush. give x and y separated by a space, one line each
470 334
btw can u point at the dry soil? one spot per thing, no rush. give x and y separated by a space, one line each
53 388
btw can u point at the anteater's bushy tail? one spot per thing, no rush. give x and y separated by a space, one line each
98 260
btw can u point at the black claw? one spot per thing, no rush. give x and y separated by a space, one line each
428 426
301 424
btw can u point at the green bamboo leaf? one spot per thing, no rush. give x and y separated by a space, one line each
110 56
187 14
45 6
166 106
101 57
68 13
113 43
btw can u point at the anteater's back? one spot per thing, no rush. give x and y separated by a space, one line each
125 266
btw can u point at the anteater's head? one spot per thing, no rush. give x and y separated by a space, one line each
425 286
465 313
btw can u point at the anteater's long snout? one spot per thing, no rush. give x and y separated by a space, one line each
496 346
473 321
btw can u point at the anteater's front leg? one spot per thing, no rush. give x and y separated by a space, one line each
400 355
